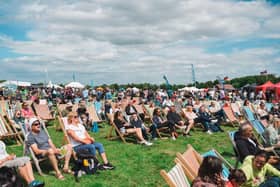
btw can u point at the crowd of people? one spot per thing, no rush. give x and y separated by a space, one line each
177 114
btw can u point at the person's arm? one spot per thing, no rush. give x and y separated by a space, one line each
272 171
9 157
73 135
57 151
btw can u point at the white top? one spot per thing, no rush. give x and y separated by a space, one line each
79 130
3 152
190 115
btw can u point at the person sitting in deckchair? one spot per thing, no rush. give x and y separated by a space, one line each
21 163
136 122
42 146
262 111
175 119
67 109
209 124
130 109
124 128
158 123
83 114
217 111
26 111
80 139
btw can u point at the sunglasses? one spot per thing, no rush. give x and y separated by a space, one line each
36 124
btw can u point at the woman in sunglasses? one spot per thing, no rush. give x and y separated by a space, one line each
80 139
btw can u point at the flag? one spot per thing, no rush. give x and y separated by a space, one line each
263 72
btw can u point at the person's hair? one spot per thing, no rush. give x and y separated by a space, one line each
155 111
117 113
245 101
70 116
243 127
210 169
262 153
238 175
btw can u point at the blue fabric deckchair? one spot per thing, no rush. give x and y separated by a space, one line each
225 171
249 114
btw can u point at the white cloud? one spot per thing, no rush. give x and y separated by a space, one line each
158 37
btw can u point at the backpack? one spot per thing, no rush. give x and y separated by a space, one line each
86 163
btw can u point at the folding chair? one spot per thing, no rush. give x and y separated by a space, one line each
120 135
28 150
191 160
43 111
231 135
230 115
226 165
8 130
176 176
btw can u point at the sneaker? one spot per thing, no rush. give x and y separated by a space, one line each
148 143
108 166
173 138
209 132
36 183
155 139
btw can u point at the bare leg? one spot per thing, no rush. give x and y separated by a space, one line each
26 173
189 128
104 158
53 160
67 157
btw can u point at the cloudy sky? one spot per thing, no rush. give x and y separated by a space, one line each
120 41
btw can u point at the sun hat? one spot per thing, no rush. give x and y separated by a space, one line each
32 120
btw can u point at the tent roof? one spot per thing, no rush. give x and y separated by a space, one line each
17 83
265 86
75 85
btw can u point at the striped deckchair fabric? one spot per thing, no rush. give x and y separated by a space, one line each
43 111
92 113
230 115
175 177
7 130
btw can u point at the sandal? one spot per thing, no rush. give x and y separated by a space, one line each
60 177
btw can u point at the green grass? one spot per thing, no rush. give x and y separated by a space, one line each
136 165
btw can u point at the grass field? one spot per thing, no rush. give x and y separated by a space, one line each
136 165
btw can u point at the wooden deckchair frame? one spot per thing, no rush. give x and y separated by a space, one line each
178 172
8 130
28 150
118 133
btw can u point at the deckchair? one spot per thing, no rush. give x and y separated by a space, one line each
191 160
92 113
176 176
28 150
230 115
226 165
63 122
231 135
236 110
8 130
43 111
120 135
249 114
